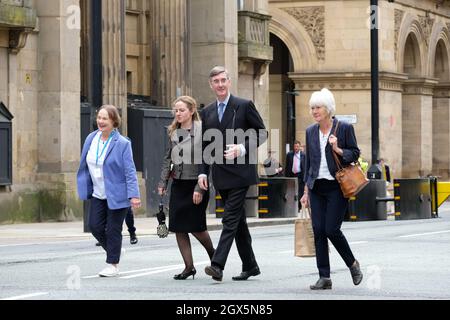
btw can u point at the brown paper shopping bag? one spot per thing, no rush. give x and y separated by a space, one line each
304 235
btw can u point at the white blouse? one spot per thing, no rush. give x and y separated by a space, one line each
324 172
96 168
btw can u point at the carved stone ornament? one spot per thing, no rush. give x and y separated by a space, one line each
427 25
398 21
17 39
313 19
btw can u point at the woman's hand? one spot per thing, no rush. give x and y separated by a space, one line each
305 200
197 198
161 191
135 203
333 141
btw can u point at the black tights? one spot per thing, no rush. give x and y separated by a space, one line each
184 244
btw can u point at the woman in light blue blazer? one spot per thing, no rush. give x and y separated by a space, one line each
107 177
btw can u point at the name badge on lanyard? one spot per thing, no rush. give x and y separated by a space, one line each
97 173
103 149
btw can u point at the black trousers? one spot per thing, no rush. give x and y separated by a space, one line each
129 221
106 227
328 207
234 228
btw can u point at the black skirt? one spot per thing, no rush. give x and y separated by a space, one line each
184 215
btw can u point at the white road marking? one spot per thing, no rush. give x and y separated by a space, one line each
147 271
168 268
25 296
423 234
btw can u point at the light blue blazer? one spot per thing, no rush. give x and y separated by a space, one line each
119 173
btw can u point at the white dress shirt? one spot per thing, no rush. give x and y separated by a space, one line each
96 168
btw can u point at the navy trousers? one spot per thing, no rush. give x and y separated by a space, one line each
328 207
235 227
106 227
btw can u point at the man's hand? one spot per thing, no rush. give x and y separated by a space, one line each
233 151
197 198
203 182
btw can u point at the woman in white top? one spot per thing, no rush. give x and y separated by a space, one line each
107 177
322 192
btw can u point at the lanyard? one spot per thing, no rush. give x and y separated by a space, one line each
104 147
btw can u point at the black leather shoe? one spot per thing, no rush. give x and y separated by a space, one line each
133 238
215 272
356 273
185 274
322 284
247 274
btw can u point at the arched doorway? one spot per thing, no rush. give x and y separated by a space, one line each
441 113
282 96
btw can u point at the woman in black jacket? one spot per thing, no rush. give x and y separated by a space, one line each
322 191
188 202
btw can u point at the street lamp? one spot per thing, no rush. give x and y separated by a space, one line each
374 83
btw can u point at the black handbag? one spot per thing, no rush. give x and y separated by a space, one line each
161 230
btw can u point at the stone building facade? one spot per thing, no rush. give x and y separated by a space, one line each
278 52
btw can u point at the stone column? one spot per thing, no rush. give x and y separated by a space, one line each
59 109
441 131
214 42
113 50
417 127
170 43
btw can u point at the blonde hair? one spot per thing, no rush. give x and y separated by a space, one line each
191 105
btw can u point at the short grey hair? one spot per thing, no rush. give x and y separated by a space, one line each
218 70
323 98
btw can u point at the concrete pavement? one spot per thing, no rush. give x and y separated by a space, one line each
52 231
57 231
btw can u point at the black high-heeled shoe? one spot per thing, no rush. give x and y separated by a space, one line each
184 275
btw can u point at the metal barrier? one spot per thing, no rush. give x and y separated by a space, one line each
413 199
276 198
442 193
370 203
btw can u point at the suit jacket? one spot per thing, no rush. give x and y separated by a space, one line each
289 163
239 114
173 165
119 173
346 141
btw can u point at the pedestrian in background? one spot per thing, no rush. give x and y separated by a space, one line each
232 171
322 191
188 202
385 170
272 167
107 177
129 221
295 167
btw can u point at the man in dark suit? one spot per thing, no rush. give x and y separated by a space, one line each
295 167
233 168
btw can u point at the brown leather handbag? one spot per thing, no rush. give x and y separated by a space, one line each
351 178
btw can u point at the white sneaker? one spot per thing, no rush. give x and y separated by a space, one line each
109 271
